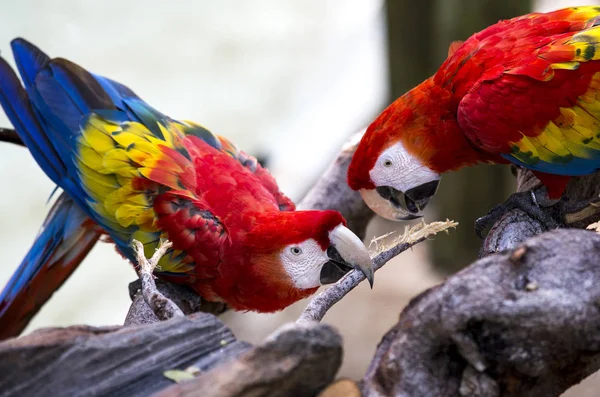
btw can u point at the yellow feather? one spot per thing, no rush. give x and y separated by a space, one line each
91 158
587 44
96 186
117 161
99 140
565 65
525 151
141 151
127 214
550 150
102 124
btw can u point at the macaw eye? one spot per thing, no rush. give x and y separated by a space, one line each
387 163
296 250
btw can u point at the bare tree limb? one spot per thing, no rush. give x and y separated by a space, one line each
297 360
516 226
163 307
112 361
10 135
320 304
519 323
516 323
332 192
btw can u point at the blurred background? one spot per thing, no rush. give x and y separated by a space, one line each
287 81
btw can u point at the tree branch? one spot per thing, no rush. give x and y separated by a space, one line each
320 304
519 323
332 192
162 307
516 226
113 361
516 323
10 135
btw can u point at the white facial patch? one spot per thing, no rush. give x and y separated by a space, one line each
303 262
397 168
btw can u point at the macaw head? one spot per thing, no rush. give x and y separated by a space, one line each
391 167
307 249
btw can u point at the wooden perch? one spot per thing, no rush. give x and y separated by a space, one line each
112 361
132 361
517 226
297 360
520 323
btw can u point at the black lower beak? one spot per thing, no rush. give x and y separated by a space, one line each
413 201
335 268
421 194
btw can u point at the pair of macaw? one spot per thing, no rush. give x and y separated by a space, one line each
524 91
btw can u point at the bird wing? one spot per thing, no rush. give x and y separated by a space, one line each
539 106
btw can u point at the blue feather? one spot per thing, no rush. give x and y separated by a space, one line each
30 60
575 167
13 99
61 245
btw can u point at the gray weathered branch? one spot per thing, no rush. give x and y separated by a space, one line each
516 226
320 304
297 360
112 361
198 349
332 192
520 323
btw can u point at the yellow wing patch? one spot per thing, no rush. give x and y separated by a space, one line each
575 133
110 158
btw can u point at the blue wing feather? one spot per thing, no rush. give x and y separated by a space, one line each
66 237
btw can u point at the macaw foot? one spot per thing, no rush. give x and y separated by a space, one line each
535 203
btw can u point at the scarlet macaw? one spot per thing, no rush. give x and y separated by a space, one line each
524 91
130 172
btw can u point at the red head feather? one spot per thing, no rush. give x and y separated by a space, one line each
278 229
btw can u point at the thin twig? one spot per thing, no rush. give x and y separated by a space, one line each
162 307
10 135
320 304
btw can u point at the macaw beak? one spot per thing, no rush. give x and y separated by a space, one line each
346 252
395 205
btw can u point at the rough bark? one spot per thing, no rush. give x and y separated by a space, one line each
184 297
519 323
517 226
112 361
298 360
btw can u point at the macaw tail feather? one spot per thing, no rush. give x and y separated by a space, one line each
66 237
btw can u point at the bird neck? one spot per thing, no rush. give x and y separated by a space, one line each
433 133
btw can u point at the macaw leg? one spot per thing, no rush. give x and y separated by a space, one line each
535 203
